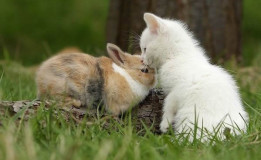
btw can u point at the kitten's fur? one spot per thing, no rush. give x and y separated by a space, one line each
193 85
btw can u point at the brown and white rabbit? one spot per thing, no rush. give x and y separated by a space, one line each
83 80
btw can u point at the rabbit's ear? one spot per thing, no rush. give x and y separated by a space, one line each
116 54
153 22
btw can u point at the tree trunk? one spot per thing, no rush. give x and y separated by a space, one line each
148 112
215 23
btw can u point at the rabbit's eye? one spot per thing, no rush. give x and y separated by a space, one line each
144 49
144 70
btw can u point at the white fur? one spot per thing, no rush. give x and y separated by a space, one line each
193 85
137 88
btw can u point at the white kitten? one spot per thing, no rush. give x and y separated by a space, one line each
197 92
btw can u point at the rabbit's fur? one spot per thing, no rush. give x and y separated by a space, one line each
83 80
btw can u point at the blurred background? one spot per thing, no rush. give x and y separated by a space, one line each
32 30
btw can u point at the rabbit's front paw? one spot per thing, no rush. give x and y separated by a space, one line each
164 126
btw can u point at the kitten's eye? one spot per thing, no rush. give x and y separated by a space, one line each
144 70
144 49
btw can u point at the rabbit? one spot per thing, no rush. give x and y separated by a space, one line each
69 49
81 80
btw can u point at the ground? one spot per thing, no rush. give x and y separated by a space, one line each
49 136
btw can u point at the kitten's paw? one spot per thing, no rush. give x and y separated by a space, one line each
164 126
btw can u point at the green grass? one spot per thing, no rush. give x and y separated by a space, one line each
48 136
44 27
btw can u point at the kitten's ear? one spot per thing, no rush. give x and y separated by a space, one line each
153 22
116 54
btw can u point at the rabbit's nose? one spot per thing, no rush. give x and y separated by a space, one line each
144 70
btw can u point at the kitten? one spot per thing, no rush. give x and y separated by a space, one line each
198 93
